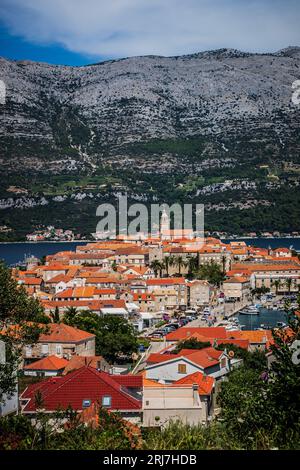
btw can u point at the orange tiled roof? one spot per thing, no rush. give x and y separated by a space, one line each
48 363
241 343
204 382
254 337
208 249
59 332
265 267
237 279
240 251
31 281
217 332
79 361
205 357
151 383
105 291
165 281
88 304
55 267
59 278
83 292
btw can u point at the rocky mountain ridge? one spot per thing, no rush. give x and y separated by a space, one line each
85 112
216 125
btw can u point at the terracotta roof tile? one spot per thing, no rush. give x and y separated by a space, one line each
85 383
59 332
53 363
166 281
76 362
217 332
204 382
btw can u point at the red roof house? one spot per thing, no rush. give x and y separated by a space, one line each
205 382
51 365
184 333
83 387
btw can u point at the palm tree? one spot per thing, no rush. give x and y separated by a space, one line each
192 264
172 260
166 262
276 284
69 315
180 262
288 283
54 315
156 266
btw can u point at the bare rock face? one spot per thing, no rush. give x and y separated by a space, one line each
217 127
58 118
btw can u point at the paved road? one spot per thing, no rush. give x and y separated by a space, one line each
156 346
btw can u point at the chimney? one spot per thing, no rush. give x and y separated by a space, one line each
195 394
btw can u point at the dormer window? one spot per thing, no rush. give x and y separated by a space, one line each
86 403
106 401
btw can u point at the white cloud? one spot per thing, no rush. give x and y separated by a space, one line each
119 28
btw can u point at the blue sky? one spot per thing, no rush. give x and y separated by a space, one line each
79 32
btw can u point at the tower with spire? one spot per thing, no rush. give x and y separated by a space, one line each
164 224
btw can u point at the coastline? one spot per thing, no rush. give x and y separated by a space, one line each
47 241
93 240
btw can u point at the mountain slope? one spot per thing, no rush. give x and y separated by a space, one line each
175 126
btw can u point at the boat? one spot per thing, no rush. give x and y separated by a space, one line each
280 324
252 307
251 310
232 328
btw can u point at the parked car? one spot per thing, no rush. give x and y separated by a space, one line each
170 328
159 332
167 329
191 317
156 337
191 311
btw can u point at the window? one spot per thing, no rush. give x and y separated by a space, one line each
106 401
181 368
45 349
58 349
86 403
223 362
